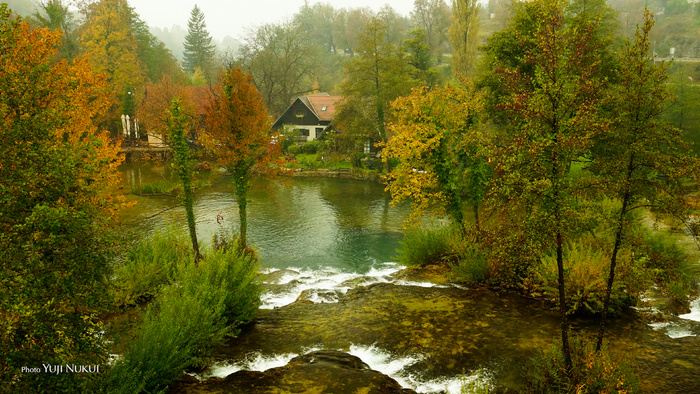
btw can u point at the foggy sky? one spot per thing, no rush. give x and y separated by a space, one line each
233 18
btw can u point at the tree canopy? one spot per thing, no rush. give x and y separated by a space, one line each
199 51
56 242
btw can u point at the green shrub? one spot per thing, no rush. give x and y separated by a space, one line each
294 149
669 265
586 272
312 147
356 159
477 383
663 252
422 246
592 372
472 266
155 187
149 266
204 306
308 161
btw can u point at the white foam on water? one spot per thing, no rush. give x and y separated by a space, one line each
323 285
673 330
403 282
377 359
397 369
252 362
328 284
694 314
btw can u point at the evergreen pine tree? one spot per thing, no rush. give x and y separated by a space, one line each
199 51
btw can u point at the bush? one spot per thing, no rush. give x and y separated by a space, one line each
149 266
294 149
356 159
592 372
472 266
477 383
586 273
670 266
423 246
155 187
205 305
312 147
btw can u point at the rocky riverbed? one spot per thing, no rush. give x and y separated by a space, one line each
417 331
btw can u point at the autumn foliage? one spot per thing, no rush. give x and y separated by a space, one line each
54 212
238 131
153 115
437 142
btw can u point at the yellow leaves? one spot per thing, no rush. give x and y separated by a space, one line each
107 37
434 130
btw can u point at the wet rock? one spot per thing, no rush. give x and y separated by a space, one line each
359 281
314 295
323 371
277 276
438 274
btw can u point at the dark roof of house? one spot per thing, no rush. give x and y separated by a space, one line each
321 105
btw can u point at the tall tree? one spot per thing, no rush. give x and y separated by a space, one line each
179 122
438 142
157 60
643 160
56 15
282 61
464 36
238 131
418 57
56 217
109 40
199 51
554 118
152 112
317 21
349 25
374 78
433 17
397 26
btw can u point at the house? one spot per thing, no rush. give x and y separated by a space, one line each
311 115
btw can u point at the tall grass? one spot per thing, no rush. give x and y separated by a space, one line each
154 188
149 266
586 272
591 373
165 187
205 305
422 246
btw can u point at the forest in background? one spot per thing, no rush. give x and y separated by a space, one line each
307 52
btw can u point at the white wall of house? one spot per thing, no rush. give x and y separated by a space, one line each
313 134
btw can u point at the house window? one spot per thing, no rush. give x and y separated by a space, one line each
324 108
304 132
300 113
368 144
319 130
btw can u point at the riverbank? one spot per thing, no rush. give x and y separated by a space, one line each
343 173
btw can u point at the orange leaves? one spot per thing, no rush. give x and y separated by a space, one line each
237 122
152 113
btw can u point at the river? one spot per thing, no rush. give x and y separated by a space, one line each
331 243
